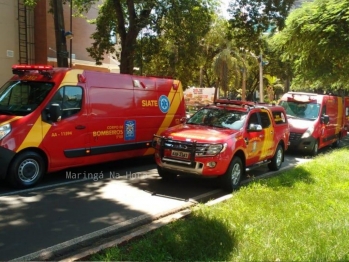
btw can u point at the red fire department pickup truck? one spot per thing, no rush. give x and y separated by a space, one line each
224 140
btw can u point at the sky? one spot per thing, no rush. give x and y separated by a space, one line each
224 7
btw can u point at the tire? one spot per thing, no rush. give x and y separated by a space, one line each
26 170
315 149
277 159
231 180
165 175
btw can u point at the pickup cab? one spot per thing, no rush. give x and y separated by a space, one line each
224 140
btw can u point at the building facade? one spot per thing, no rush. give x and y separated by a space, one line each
29 38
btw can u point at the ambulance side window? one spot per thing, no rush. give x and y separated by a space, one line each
70 100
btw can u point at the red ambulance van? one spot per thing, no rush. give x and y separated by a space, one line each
316 120
56 118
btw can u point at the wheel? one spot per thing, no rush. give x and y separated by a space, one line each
26 170
277 159
315 149
230 181
165 175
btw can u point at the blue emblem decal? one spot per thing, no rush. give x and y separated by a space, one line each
130 130
164 104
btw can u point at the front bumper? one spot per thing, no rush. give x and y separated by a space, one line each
198 167
301 144
6 157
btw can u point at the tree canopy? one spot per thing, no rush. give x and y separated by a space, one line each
177 18
315 40
249 19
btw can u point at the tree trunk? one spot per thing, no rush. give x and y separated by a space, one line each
61 42
126 61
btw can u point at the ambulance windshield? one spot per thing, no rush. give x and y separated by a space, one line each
309 111
21 98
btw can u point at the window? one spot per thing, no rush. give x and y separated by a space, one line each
70 100
279 117
265 119
21 98
253 119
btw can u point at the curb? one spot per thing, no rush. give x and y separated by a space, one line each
140 231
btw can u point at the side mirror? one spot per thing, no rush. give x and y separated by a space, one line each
325 119
55 112
254 127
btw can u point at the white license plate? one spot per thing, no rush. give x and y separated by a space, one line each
180 154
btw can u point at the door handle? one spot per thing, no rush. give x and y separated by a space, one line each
80 127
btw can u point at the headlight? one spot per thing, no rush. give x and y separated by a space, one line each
156 141
309 132
4 130
215 149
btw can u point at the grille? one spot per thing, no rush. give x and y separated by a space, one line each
295 136
192 147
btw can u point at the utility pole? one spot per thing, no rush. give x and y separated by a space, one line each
261 93
61 42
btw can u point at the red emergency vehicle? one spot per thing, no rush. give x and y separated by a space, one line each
316 120
56 118
224 140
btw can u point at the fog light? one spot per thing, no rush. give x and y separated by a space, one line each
211 164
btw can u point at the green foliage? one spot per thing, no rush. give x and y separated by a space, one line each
316 40
249 19
181 22
174 49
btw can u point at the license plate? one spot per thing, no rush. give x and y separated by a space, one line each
180 154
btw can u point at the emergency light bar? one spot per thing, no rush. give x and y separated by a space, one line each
302 98
22 69
32 67
234 102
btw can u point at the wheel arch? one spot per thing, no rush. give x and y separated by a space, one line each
242 156
32 149
282 144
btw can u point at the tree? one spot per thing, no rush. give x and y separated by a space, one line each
251 18
127 18
176 51
316 41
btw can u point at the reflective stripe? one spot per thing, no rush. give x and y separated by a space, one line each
175 97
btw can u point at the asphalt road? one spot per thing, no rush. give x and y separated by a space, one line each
67 211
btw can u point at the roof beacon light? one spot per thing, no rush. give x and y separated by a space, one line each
32 67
